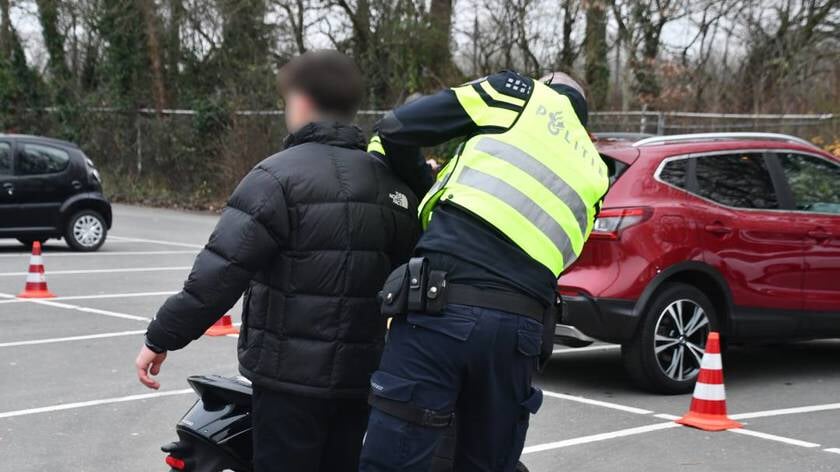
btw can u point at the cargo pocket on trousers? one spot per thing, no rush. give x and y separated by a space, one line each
385 385
528 343
390 440
528 407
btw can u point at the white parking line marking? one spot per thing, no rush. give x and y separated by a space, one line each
98 271
773 437
157 241
50 255
665 416
97 296
588 401
599 437
787 411
115 295
105 401
833 450
600 347
67 306
72 338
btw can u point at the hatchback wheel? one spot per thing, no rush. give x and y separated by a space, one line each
85 231
666 353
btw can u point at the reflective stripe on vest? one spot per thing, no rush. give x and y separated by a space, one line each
522 203
539 171
538 183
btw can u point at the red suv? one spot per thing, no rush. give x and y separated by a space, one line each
736 232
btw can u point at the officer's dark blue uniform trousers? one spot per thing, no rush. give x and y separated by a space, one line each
475 361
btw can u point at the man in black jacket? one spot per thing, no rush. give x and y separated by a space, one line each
309 235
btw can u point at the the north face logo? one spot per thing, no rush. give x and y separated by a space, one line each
399 199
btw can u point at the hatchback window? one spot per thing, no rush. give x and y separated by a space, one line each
614 167
5 158
736 180
37 159
813 182
675 172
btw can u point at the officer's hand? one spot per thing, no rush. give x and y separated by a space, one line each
148 362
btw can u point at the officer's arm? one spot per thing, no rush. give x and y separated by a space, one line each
406 162
489 104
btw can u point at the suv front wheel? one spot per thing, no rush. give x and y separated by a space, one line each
666 353
85 231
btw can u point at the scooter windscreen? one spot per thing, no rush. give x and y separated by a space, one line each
215 434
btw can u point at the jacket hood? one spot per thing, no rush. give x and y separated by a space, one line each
329 133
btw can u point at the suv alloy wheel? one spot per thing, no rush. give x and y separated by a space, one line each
666 353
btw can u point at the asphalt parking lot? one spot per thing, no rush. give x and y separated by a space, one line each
69 399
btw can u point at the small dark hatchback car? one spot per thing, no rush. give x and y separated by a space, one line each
50 189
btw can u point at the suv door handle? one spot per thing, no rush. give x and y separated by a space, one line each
76 184
819 234
10 187
718 228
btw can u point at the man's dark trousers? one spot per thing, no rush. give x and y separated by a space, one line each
300 434
476 361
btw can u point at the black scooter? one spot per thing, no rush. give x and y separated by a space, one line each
215 434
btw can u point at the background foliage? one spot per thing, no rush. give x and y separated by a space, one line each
105 73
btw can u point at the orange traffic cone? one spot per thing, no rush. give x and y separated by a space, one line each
708 405
36 281
222 327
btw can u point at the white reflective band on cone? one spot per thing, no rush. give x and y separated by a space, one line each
711 362
35 277
36 260
703 391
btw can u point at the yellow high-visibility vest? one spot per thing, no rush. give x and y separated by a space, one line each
538 183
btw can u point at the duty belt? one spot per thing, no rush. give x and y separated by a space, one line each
510 302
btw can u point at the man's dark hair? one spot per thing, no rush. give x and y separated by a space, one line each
330 78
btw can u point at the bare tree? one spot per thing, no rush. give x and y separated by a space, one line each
5 29
150 18
596 50
294 15
640 24
787 44
569 51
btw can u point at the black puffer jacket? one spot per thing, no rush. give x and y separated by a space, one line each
311 232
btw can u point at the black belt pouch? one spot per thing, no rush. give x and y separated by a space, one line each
394 294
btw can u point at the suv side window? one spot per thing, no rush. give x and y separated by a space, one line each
814 182
36 159
675 172
736 180
5 158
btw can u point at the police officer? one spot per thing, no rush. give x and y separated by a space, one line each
506 216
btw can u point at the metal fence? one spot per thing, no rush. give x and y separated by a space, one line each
196 157
807 126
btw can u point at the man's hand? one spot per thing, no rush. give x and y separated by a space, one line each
148 362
